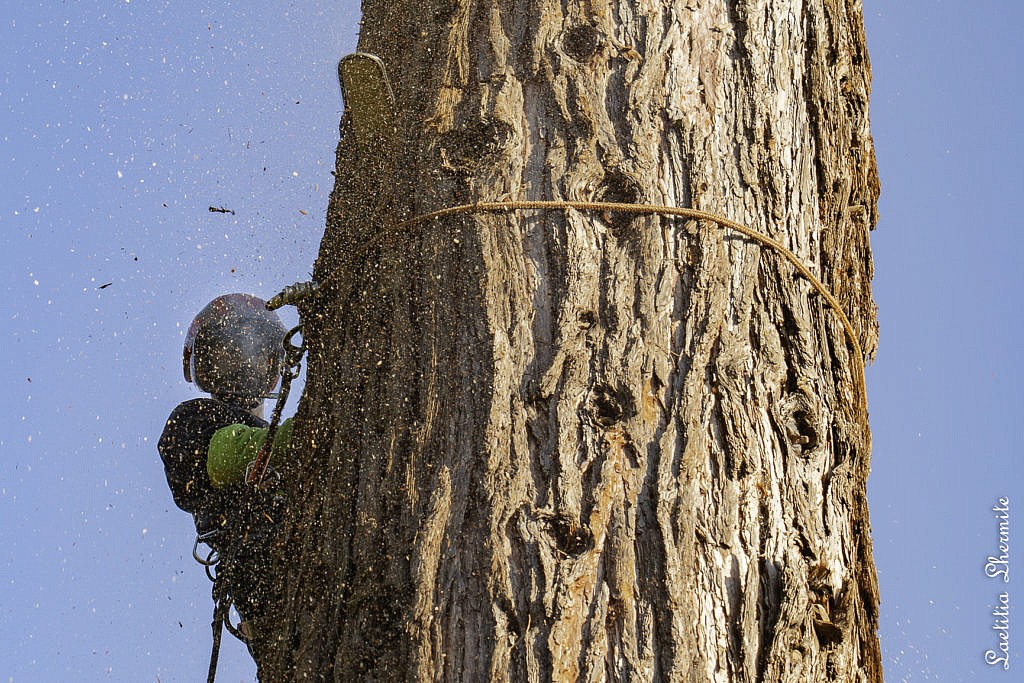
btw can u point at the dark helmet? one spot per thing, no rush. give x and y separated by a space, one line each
234 348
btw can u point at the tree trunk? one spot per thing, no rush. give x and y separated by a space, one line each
569 445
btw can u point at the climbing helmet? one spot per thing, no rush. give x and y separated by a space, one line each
234 349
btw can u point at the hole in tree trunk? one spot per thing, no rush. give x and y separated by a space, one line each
622 188
468 145
610 405
581 42
569 537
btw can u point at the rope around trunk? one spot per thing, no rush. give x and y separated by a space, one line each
697 214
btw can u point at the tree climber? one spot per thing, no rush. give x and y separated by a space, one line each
233 351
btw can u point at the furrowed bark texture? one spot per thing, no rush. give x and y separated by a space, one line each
582 446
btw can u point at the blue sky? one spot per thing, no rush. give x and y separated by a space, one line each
122 122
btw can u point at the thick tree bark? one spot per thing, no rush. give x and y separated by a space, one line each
576 446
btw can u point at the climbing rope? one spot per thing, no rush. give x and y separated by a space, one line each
548 205
293 294
222 603
289 370
620 207
220 617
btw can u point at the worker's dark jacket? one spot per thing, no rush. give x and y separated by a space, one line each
241 518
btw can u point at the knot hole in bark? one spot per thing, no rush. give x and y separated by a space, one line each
829 608
802 421
610 405
582 42
587 320
568 535
805 432
465 146
619 187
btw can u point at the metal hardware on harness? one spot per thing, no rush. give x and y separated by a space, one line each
212 557
270 472
289 371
